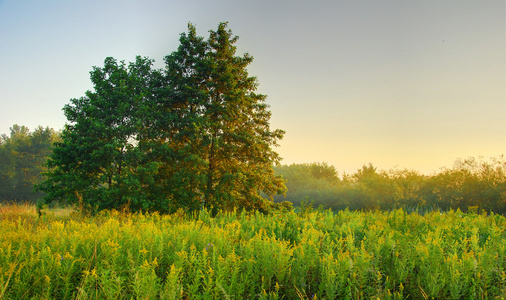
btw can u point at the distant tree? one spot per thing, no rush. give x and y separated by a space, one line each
316 182
324 171
22 159
410 189
471 183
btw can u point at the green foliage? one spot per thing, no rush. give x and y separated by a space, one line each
221 126
98 157
194 135
315 255
470 183
22 159
315 181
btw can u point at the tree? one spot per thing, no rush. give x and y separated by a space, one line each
22 158
192 135
97 158
219 127
237 141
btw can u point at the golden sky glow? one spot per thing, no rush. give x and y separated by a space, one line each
412 84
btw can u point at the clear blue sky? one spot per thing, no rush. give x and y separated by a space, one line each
412 84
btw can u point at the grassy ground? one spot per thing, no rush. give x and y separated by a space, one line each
305 255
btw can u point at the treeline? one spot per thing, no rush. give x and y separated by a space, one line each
470 184
23 155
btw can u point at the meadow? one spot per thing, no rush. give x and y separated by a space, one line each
311 254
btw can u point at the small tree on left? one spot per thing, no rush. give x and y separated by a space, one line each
98 160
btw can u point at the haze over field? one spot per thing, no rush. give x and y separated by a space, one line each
395 83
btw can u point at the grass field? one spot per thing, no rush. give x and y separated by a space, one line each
310 255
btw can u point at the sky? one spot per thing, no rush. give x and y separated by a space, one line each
399 84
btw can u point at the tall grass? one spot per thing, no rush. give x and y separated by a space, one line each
309 255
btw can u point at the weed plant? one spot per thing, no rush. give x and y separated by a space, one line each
305 255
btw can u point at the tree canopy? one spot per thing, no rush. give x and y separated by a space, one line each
194 134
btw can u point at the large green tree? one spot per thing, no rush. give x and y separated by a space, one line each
221 122
194 134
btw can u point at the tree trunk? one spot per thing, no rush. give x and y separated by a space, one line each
210 173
